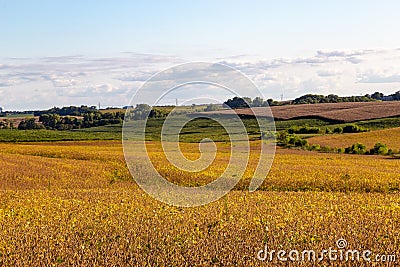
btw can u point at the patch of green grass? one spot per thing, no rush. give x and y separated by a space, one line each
376 124
19 116
379 124
283 125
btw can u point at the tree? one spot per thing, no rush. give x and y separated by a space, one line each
396 96
237 102
258 102
270 101
338 130
50 120
377 96
29 124
211 107
141 112
353 129
379 149
356 148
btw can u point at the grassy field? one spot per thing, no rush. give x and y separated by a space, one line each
376 124
74 203
7 135
192 132
19 116
390 137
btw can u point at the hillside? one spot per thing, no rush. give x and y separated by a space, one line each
390 137
338 112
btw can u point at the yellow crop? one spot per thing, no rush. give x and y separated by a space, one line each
75 204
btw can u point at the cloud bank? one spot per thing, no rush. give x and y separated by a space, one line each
38 83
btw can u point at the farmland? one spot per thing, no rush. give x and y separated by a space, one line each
336 112
13 135
68 199
390 137
74 203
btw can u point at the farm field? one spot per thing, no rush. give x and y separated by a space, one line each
336 112
74 203
14 135
390 137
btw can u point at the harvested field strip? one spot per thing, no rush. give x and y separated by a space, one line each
390 137
337 112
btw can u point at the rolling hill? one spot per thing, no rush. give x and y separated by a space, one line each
337 112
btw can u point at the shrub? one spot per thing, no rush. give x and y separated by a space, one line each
304 130
338 130
29 124
286 139
300 142
352 128
379 149
357 148
326 149
314 147
268 135
328 131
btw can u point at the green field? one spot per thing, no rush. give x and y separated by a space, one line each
193 131
7 135
19 116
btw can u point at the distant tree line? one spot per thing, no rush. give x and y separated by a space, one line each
246 102
314 99
91 119
67 111
57 122
144 111
69 118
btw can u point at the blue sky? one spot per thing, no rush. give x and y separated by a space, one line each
53 52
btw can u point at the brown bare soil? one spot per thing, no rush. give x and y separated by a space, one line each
340 112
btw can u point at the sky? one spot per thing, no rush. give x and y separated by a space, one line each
57 53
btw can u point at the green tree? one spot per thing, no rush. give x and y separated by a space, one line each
238 102
30 124
258 102
380 149
356 148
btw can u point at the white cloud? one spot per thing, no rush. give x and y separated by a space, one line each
347 53
328 72
94 90
79 79
354 60
378 77
6 83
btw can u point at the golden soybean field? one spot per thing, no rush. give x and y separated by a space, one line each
75 204
390 137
